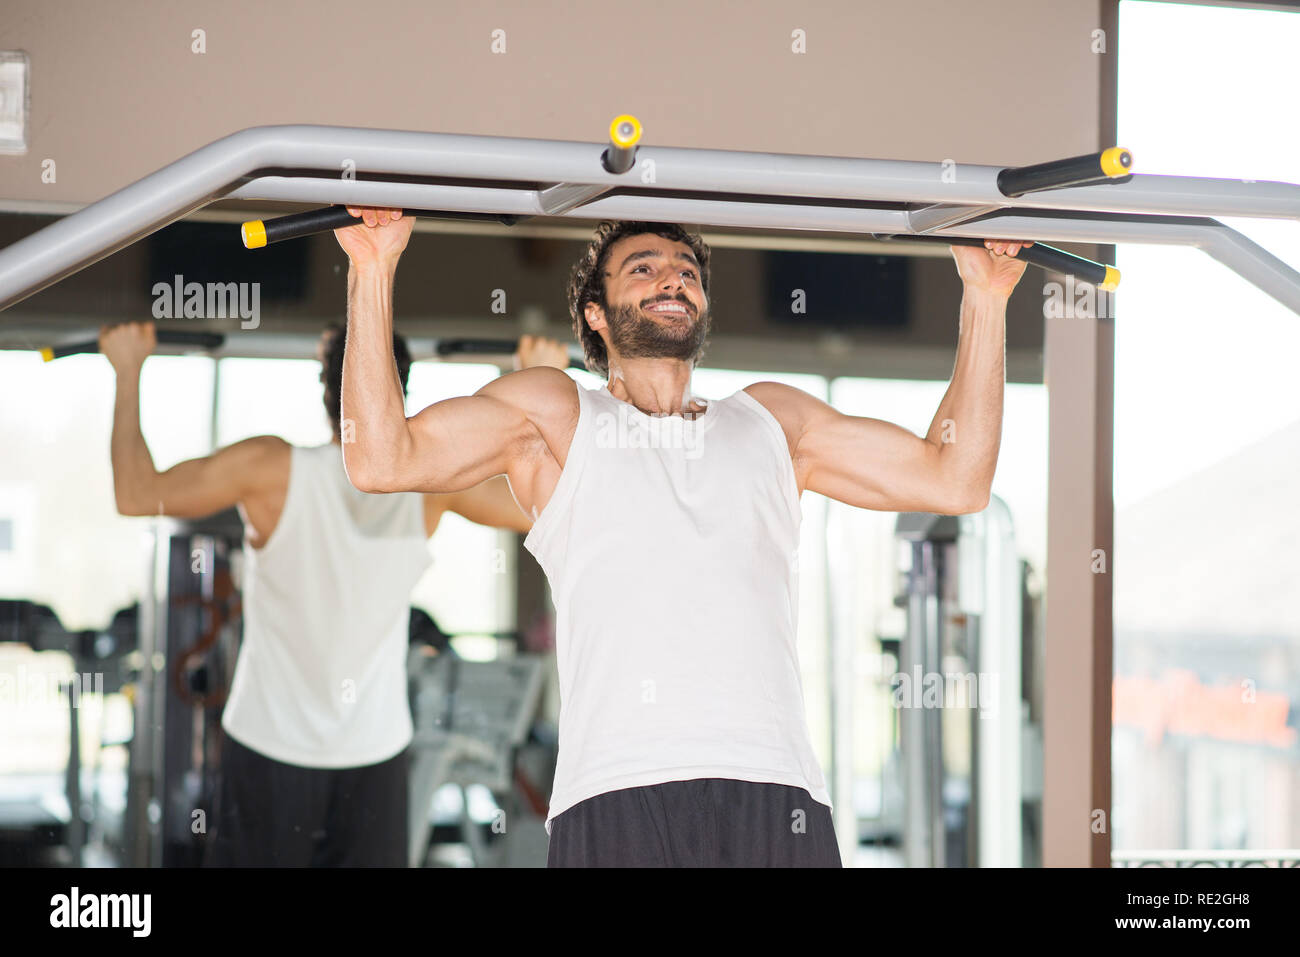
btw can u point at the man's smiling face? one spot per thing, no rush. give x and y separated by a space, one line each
657 307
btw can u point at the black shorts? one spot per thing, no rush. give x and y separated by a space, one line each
709 822
271 814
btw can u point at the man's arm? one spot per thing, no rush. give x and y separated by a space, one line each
191 489
492 503
874 464
451 445
489 503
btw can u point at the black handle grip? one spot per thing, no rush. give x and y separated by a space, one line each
257 233
1047 257
1107 165
166 337
486 347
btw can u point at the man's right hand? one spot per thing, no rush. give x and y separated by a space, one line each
534 351
379 239
127 344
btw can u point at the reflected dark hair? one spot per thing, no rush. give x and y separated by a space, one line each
333 369
587 279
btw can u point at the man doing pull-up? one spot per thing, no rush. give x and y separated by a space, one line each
671 558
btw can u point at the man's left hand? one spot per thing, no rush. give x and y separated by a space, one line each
996 268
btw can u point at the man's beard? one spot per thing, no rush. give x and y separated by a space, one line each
635 335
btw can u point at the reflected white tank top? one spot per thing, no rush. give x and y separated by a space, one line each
671 547
320 680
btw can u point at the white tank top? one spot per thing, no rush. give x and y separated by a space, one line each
671 550
320 680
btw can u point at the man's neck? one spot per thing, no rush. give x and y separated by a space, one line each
655 386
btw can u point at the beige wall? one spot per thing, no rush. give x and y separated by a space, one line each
116 92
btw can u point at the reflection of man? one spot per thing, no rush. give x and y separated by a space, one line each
314 761
682 731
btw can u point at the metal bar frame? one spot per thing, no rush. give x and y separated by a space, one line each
698 186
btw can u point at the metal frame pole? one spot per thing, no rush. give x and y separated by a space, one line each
1145 208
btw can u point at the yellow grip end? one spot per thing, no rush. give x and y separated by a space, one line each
625 131
1116 161
254 234
1111 282
47 354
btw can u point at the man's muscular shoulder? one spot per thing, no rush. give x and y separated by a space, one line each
546 397
792 408
262 459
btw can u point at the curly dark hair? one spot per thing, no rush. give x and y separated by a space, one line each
587 279
332 371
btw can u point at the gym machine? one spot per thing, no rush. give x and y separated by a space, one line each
958 693
470 719
34 827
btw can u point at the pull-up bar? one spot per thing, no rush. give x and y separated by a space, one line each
625 131
624 134
665 184
445 348
205 341
210 341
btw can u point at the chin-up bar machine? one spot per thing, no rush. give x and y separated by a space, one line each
1094 198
